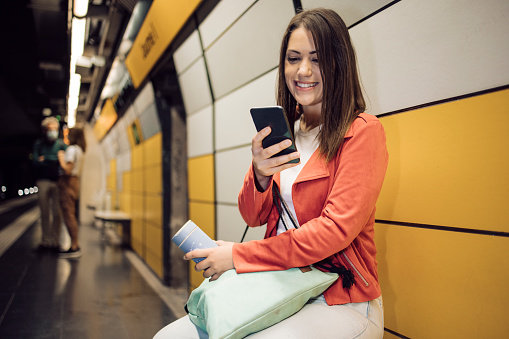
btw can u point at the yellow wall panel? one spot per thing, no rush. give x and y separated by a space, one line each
195 278
154 209
125 202
111 179
137 180
440 284
137 235
163 21
106 119
154 248
201 178
204 215
153 179
155 263
127 181
137 210
154 240
448 164
137 157
153 150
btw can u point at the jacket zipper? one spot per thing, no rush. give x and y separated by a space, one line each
355 269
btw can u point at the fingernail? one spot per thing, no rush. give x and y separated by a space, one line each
288 143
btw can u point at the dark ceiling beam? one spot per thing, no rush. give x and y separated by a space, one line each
115 26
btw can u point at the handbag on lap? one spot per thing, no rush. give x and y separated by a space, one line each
236 305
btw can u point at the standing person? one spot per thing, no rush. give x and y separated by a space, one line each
332 191
45 161
69 187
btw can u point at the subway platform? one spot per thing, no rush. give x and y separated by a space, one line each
107 293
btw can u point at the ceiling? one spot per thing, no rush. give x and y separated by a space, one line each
35 39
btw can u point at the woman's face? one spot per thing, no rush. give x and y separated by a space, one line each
302 71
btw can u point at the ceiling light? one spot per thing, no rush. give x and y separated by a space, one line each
80 8
78 37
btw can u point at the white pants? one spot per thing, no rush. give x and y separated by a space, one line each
315 320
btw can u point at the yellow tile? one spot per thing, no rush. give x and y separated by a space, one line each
195 278
113 166
127 181
203 215
153 150
155 264
137 236
449 164
137 247
154 209
153 179
201 178
154 248
137 157
440 284
154 240
125 202
138 202
138 180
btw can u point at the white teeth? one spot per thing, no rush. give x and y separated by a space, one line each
300 84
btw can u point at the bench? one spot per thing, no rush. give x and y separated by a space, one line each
119 217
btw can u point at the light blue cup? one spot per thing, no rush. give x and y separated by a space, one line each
190 237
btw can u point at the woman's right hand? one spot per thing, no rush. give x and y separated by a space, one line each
264 166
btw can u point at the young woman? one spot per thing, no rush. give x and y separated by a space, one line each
332 191
69 187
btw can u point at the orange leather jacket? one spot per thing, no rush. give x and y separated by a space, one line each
335 206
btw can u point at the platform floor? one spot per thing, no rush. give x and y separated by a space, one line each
107 293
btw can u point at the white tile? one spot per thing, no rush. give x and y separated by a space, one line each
195 88
250 47
231 226
123 139
222 16
418 52
188 52
350 11
199 132
233 123
149 121
231 168
130 115
144 99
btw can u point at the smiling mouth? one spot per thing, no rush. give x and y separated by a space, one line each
305 85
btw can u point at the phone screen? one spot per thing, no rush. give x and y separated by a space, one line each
274 117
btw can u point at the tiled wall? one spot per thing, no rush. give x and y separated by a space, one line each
135 177
436 73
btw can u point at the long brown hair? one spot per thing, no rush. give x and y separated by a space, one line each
342 94
77 137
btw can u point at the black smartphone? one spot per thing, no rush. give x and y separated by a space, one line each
275 118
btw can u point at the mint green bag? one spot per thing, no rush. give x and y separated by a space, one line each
237 305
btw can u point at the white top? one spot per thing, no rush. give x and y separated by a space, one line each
74 154
307 143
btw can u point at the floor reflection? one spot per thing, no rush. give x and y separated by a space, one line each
100 295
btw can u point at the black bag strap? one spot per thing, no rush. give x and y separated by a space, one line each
347 276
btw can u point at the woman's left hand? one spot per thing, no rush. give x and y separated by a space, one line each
217 260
